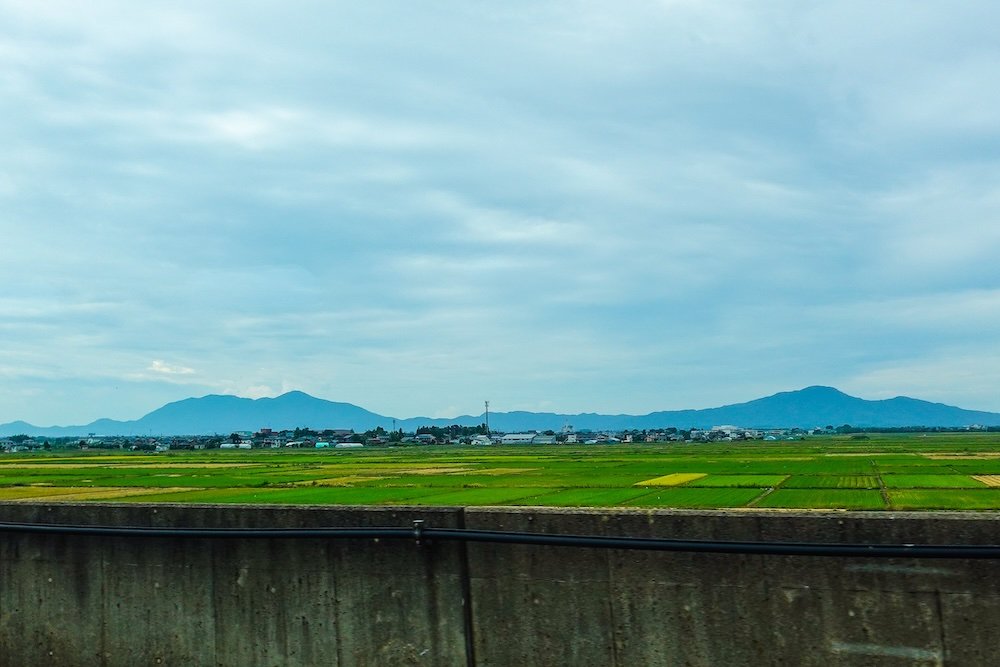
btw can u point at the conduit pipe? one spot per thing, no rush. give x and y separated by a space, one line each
422 533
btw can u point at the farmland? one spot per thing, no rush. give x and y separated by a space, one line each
901 472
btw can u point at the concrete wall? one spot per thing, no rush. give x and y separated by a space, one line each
72 600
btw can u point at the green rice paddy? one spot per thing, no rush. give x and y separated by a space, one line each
886 472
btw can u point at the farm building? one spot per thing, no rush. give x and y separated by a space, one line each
517 439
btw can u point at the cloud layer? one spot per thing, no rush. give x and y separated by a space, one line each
569 206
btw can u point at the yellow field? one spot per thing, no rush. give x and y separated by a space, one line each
988 480
672 479
861 454
68 493
138 464
438 470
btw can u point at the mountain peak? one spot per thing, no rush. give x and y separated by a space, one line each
818 390
295 394
810 407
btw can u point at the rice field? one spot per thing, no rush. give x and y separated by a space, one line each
904 472
833 482
851 499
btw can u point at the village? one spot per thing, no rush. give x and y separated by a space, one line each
305 438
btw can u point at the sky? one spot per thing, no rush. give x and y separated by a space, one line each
569 206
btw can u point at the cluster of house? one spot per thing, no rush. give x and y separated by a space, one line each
266 438
714 434
8 445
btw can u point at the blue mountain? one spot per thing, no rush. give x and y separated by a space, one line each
224 414
221 414
805 408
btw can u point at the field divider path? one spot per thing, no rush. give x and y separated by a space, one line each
881 486
768 491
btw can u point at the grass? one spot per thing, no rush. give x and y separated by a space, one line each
750 481
937 499
495 496
852 499
912 471
833 482
673 479
695 498
932 482
296 496
586 497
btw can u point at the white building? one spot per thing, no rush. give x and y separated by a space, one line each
517 439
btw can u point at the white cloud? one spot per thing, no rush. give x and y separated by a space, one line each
656 204
255 391
160 367
478 224
954 376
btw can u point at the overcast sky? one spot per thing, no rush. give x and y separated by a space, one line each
565 206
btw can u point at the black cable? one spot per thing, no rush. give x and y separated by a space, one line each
241 533
721 546
420 534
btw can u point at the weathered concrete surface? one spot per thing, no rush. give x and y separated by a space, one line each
589 606
73 600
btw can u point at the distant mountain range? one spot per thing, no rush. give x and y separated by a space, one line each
806 408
